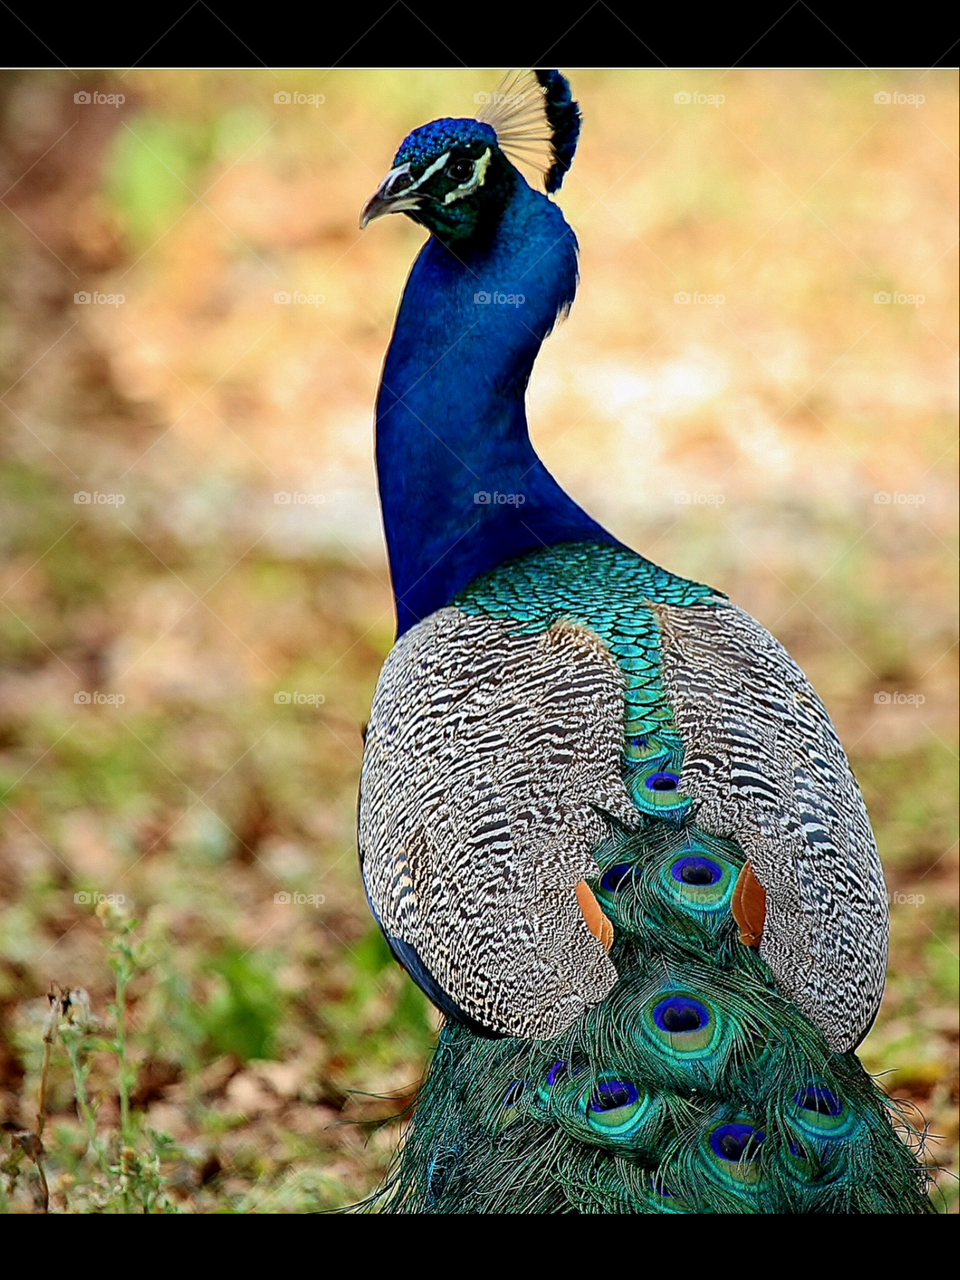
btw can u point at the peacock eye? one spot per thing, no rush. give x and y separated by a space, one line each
460 170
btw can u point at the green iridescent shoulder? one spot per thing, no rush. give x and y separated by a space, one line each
576 575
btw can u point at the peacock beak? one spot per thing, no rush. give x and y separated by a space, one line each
392 196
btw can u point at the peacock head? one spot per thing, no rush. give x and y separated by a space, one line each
450 176
454 176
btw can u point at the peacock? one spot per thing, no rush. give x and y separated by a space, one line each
605 822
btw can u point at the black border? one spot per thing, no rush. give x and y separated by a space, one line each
425 33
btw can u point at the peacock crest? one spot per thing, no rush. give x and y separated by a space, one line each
536 121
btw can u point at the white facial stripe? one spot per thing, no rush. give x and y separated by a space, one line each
428 173
400 204
467 188
390 180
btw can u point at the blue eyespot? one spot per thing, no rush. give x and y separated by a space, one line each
684 1027
655 789
679 1014
558 1070
512 1100
697 871
737 1142
662 781
614 878
700 881
822 1115
663 1198
616 1110
559 1085
514 1094
612 1095
644 747
818 1099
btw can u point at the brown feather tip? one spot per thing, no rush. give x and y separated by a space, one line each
749 906
597 922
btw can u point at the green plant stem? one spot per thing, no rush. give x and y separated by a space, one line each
87 1113
123 1074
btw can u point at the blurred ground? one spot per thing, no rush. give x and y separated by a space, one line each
749 442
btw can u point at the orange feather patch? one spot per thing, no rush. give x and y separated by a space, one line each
749 906
597 922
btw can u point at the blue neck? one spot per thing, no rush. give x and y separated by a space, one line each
451 422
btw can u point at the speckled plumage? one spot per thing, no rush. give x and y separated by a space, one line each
503 729
490 756
765 768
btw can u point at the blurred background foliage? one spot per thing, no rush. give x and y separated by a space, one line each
261 1032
